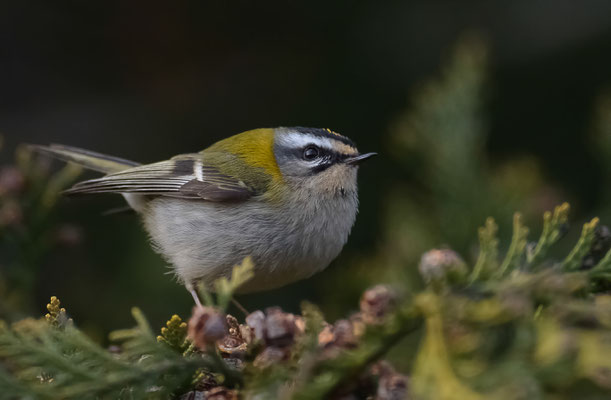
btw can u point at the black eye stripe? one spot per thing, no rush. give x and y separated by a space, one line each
332 157
325 159
327 154
328 160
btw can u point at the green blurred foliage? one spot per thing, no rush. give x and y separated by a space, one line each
450 158
442 187
29 229
439 144
519 326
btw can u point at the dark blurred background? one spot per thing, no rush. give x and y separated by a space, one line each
145 81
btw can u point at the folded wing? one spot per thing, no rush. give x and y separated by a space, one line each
184 176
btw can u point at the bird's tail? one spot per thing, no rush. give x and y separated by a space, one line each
87 159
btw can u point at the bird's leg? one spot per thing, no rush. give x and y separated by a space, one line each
195 297
191 288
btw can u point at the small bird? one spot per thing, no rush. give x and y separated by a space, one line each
286 197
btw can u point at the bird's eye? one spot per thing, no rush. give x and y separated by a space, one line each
310 153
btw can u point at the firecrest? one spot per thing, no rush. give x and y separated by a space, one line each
286 197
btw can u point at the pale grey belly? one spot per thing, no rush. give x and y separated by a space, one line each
204 240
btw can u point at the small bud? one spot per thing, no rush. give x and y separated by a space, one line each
256 321
280 328
376 303
442 265
204 381
233 324
174 333
270 356
232 346
247 333
206 326
337 338
344 334
392 387
57 315
275 327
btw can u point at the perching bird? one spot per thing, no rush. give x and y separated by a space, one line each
286 197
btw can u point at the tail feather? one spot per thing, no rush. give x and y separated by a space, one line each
88 159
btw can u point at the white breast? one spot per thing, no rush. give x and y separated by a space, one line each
204 240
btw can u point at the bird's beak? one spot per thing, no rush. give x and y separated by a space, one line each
360 158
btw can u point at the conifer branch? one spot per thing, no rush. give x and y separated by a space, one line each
573 260
225 288
554 226
487 260
331 374
516 248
